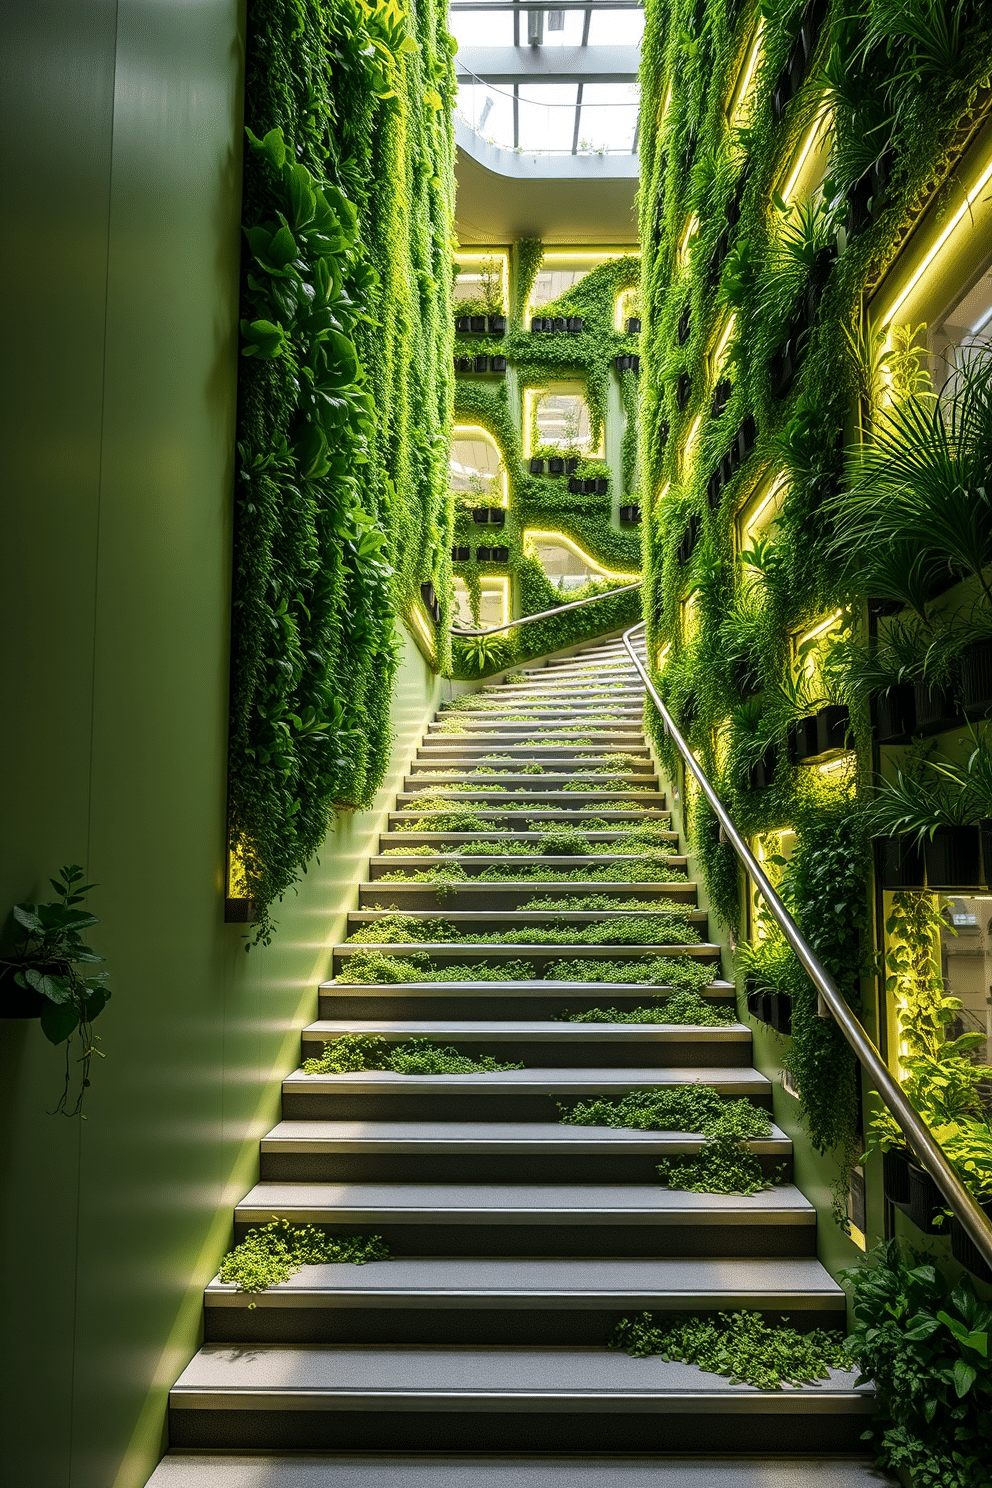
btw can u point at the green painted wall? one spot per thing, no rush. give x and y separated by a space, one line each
121 185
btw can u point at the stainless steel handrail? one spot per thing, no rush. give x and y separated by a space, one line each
576 604
914 1129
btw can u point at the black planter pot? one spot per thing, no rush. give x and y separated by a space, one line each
976 679
759 1005
483 555
683 388
964 1250
427 594
783 368
953 858
936 708
630 514
537 467
497 364
985 837
576 485
481 364
497 516
559 323
893 714
803 739
899 863
463 324
477 324
714 489
721 397
575 324
556 465
500 555
480 514
762 775
895 1175
781 1013
537 323
720 250
622 363
747 438
497 325
832 725
463 364
635 365
633 326
571 464
602 485
589 486
925 1201
460 554
19 1002
728 468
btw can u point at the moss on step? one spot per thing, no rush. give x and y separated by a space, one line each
739 1345
274 1252
682 1009
354 1052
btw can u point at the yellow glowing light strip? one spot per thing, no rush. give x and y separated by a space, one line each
559 537
663 655
819 630
752 521
691 227
743 86
419 620
662 493
476 431
805 150
721 345
473 262
667 101
837 766
966 206
690 438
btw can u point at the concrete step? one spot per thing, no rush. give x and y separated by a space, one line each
217 1469
562 1044
488 1152
469 921
576 1399
532 1094
531 1219
445 746
477 862
423 776
561 710
468 953
625 721
466 1000
542 797
609 733
567 1300
516 819
393 838
469 894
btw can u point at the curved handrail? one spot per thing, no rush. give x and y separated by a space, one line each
576 604
914 1129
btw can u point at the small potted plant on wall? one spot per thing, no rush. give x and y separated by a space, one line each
41 977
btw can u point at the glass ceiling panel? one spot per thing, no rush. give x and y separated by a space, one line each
616 27
547 117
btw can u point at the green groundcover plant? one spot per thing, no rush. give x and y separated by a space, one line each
417 1056
274 1252
739 1345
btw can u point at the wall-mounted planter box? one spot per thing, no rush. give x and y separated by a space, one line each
899 863
714 489
721 397
622 363
783 367
497 364
431 601
635 365
893 713
463 324
630 514
964 1250
463 364
497 325
477 325
460 554
575 325
759 1003
780 1013
685 324
926 1201
602 485
762 775
536 467
816 284
633 326
571 464
576 485
500 555
480 514
803 738
538 324
481 364
832 726
559 324
728 467
556 465
687 546
239 911
683 389
483 555
936 708
953 858
976 679
497 516
895 1176
589 485
866 198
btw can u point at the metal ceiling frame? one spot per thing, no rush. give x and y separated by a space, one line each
525 69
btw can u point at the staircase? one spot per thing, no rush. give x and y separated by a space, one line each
476 1358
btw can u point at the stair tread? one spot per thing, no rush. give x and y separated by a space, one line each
483 1136
662 1282
613 1080
536 988
596 1377
185 1469
373 1203
536 1031
704 949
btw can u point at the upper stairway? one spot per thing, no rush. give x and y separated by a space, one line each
518 1240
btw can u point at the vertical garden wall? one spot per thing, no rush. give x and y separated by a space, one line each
344 409
504 358
787 154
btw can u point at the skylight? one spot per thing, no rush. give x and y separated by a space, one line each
550 82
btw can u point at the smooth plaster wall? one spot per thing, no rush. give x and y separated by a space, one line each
121 188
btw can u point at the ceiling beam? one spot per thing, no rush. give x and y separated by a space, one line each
587 64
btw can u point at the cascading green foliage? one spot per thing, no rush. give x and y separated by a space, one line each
740 1345
541 503
355 1052
793 273
274 1252
342 506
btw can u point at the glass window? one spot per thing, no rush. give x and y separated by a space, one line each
476 467
550 283
966 955
565 568
562 421
492 603
967 325
547 117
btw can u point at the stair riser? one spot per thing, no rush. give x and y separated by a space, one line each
403 895
319 1105
385 1004
638 805
501 1324
577 1432
450 842
481 1167
594 1054
541 957
511 822
556 1239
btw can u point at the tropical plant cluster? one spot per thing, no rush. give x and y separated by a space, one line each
752 324
342 508
541 502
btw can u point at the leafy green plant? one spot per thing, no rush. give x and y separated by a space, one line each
645 971
689 1108
922 1338
46 957
354 1052
740 1345
272 1253
683 1008
368 968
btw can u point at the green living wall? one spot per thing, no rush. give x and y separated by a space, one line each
344 409
729 632
535 359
